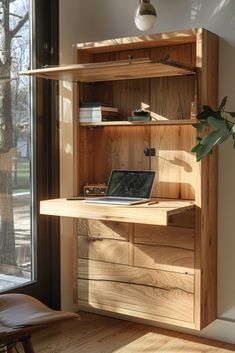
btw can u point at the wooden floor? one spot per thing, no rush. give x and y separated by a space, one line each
99 334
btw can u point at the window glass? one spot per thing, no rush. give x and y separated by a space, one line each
15 146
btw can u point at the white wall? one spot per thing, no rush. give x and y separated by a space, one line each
91 20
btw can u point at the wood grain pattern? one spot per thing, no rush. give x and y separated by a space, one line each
174 164
164 258
184 53
138 123
167 236
138 93
166 162
139 42
189 167
121 145
128 297
207 194
102 271
158 214
104 229
172 97
99 334
109 71
103 250
102 150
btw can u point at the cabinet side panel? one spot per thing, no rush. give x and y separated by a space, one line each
206 198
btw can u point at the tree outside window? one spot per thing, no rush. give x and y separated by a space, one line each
15 155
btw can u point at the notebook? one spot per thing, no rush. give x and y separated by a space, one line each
127 187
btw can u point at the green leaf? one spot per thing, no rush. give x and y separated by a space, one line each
225 137
214 137
196 148
210 141
223 103
215 123
208 111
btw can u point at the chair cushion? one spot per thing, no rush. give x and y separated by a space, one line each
19 310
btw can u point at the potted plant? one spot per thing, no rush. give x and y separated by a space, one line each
222 127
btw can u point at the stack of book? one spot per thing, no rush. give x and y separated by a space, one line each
90 112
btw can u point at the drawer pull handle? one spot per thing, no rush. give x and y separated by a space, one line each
95 238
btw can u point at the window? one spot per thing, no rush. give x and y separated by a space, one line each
15 146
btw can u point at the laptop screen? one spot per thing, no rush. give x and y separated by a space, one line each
131 183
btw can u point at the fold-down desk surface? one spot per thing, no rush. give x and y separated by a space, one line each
161 213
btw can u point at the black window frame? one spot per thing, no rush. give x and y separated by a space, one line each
45 126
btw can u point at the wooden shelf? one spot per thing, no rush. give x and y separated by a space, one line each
111 71
140 123
157 214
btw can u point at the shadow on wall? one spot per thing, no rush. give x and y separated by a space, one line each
226 238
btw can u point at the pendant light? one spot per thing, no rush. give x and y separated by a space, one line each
145 16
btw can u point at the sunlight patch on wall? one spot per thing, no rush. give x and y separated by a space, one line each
220 5
195 9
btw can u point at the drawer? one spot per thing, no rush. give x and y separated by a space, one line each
135 291
132 299
102 249
164 258
103 271
163 235
104 229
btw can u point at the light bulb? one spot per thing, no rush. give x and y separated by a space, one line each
145 16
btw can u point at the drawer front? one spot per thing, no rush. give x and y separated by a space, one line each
162 235
133 298
103 271
164 258
104 229
164 248
108 250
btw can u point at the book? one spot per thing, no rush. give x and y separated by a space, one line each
98 109
139 118
96 106
92 104
95 112
110 118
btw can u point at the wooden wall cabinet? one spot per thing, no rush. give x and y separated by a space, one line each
157 263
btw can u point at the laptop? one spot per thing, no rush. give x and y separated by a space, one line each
127 187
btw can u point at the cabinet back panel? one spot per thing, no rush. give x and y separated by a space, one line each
175 164
167 98
105 148
171 97
184 53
